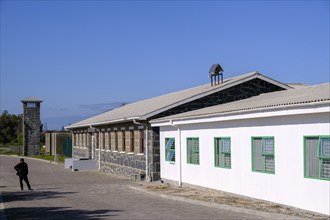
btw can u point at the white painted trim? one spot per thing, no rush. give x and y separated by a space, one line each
239 115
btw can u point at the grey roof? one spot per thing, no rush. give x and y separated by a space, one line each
144 109
31 99
289 98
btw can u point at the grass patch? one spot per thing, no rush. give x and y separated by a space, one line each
6 151
49 158
10 151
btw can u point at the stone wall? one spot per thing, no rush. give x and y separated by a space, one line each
154 154
31 129
129 165
79 152
129 162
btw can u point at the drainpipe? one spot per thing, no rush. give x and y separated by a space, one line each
93 150
92 141
99 150
179 156
146 148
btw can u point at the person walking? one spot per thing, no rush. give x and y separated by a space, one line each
22 172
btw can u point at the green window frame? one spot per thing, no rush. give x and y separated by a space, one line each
170 149
222 152
263 154
317 157
193 150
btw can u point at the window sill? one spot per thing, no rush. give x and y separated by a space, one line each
130 153
140 154
122 152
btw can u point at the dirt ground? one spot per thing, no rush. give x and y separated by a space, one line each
219 197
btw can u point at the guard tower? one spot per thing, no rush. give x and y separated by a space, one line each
31 126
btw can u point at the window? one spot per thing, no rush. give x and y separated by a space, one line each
222 152
116 140
170 149
123 142
74 140
263 159
97 141
193 150
103 140
317 157
141 140
109 141
131 143
31 105
79 140
84 140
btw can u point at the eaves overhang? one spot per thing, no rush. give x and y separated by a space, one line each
71 127
260 112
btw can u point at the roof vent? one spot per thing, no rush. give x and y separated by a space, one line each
215 73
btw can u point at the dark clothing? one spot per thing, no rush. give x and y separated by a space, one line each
22 171
26 179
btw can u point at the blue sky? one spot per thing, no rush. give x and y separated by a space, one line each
85 57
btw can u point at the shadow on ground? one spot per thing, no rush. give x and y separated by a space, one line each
32 195
36 213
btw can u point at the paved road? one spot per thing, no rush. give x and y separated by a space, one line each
62 194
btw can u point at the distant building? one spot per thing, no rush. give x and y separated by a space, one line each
31 126
273 146
58 143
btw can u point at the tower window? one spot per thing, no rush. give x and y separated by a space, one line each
31 105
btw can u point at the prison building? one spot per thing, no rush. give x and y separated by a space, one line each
273 147
124 142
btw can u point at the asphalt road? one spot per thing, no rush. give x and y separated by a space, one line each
63 194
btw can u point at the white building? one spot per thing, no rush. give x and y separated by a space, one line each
274 147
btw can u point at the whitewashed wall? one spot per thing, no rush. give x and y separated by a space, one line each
287 186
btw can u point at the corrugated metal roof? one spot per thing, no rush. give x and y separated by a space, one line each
31 99
291 97
146 108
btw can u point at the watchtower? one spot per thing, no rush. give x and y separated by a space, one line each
31 126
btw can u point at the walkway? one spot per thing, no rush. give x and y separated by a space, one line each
62 194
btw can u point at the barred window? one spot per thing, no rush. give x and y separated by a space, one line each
131 142
222 151
263 156
103 140
97 141
317 157
193 150
116 140
123 140
170 149
141 140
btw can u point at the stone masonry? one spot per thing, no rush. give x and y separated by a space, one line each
31 126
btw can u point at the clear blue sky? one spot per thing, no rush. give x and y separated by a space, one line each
84 57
